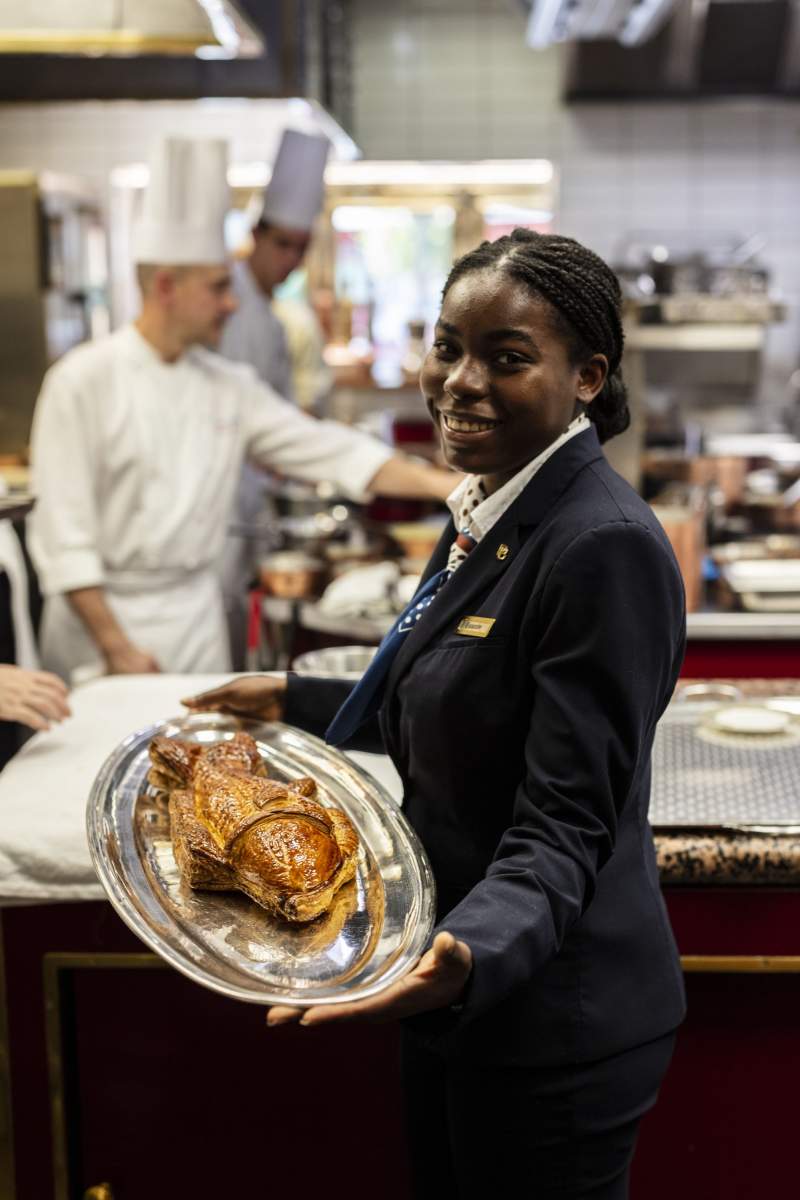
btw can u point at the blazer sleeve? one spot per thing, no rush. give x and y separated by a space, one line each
312 703
607 640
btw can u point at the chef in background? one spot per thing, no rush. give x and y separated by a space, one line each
256 334
265 332
138 442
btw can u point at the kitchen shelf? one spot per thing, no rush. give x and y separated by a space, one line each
695 337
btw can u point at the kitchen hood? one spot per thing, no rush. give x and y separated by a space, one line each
628 21
207 28
705 48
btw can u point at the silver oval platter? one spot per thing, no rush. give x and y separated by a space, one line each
373 932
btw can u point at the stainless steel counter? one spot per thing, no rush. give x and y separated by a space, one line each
741 626
713 626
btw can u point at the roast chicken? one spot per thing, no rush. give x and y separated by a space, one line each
234 828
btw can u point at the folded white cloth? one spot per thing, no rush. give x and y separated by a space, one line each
44 855
374 591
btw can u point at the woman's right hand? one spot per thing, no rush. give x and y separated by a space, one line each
34 698
259 696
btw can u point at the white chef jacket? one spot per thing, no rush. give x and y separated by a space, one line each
135 463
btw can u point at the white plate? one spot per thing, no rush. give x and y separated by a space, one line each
751 718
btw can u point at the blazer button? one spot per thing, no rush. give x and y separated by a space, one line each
502 551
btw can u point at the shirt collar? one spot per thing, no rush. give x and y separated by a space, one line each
480 520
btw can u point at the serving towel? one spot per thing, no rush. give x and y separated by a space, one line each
44 855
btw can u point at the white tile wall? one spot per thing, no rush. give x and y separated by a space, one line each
90 139
93 137
442 78
453 79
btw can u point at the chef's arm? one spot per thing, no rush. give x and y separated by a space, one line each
402 476
120 654
281 438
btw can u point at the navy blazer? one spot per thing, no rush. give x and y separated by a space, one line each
525 761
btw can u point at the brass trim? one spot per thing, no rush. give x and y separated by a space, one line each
741 964
99 41
53 963
7 1185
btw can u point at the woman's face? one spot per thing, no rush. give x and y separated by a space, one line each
497 381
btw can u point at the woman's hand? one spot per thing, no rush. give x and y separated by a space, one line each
35 698
259 696
437 981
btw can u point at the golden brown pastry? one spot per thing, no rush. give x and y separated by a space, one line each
174 761
232 828
287 851
199 859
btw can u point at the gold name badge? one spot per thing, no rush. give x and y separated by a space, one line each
475 626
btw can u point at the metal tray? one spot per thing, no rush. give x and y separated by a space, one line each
375 930
704 779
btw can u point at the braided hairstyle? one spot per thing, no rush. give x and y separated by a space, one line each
583 295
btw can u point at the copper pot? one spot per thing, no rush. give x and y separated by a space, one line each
291 575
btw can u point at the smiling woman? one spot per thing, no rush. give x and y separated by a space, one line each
520 351
519 707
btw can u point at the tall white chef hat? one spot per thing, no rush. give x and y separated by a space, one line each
294 193
182 217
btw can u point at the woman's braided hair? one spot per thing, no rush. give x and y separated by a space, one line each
584 297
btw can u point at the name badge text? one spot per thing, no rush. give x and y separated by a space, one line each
475 626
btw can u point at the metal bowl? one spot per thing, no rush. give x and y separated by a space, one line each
335 662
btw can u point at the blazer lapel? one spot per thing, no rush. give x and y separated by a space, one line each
484 564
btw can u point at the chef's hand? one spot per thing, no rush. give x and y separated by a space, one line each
259 696
35 698
130 660
438 980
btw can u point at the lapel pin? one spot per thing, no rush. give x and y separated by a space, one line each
502 551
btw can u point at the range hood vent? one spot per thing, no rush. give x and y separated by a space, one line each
707 48
628 21
207 28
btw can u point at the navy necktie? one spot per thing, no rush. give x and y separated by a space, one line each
367 696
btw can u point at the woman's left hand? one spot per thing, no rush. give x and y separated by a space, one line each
438 980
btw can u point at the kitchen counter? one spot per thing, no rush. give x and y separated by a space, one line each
752 855
742 626
76 971
714 626
700 626
729 857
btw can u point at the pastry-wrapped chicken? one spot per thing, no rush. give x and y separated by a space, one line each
233 829
200 861
174 761
287 851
